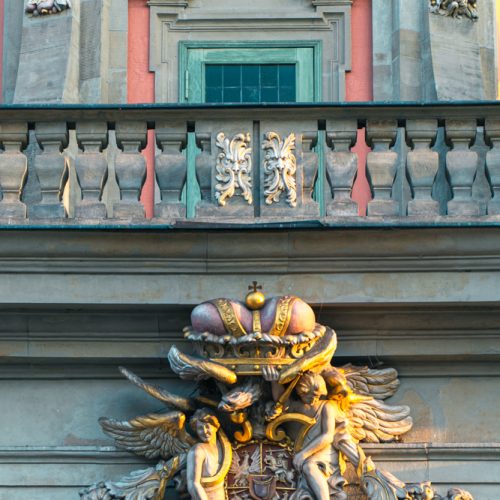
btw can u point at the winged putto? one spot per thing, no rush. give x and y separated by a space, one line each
269 417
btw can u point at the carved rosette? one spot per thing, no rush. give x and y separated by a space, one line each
280 167
454 8
233 168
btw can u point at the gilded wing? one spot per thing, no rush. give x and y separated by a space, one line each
372 421
359 392
379 384
154 435
170 399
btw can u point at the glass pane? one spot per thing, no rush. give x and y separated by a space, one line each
269 75
287 75
269 94
287 94
213 75
250 94
232 94
250 74
213 94
232 75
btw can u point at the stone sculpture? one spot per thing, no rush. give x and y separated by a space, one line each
43 7
280 167
455 8
233 168
270 418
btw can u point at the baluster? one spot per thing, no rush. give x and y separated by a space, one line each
381 164
341 167
91 169
171 169
130 168
492 132
13 169
422 166
51 167
461 164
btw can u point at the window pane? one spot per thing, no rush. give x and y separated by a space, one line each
287 94
232 75
269 94
250 74
269 75
232 94
287 75
213 75
250 94
213 94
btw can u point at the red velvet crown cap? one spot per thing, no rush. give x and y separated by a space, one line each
207 316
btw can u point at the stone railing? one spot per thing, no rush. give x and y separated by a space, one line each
333 164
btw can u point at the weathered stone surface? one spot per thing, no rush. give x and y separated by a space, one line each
171 170
492 132
341 168
381 166
49 54
13 169
461 164
52 169
91 169
422 166
130 168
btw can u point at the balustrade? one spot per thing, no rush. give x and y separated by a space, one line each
250 165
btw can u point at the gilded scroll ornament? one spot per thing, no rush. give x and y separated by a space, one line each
44 7
269 417
280 167
455 8
234 168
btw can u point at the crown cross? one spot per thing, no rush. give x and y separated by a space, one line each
254 286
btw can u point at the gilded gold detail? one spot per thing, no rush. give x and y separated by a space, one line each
257 327
283 315
229 318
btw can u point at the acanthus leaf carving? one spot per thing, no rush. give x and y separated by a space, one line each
234 168
280 167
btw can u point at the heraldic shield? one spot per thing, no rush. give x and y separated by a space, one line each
260 471
269 416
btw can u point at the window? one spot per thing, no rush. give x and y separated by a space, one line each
249 72
250 83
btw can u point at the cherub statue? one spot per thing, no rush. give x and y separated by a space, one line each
42 7
204 458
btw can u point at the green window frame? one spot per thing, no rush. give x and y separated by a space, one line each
194 56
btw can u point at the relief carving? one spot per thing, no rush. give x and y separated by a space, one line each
280 166
233 168
455 8
44 7
270 417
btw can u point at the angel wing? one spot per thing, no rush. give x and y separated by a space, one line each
372 421
360 391
193 368
379 384
178 402
152 436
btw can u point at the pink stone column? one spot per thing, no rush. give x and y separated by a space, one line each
141 86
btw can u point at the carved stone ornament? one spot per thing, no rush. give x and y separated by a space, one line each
259 366
44 7
280 166
234 168
455 8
